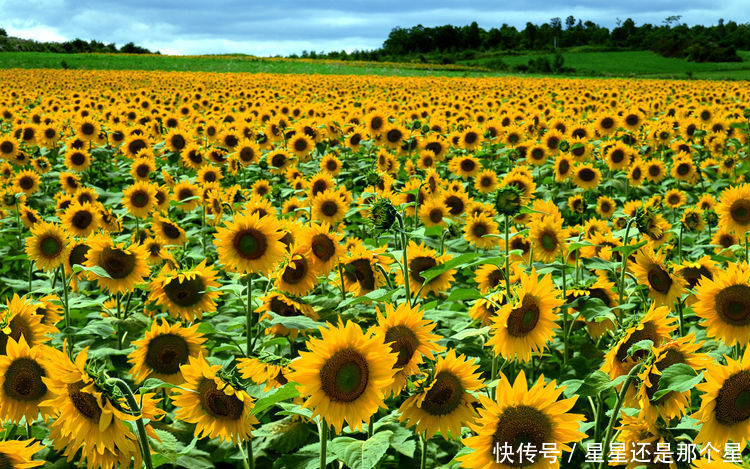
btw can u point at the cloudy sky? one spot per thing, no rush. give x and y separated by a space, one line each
270 28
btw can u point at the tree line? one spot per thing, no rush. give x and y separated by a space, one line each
14 44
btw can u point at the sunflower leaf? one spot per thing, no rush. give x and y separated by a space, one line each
286 392
294 322
457 261
640 345
359 454
96 270
679 377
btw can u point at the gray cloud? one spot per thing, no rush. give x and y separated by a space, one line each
224 26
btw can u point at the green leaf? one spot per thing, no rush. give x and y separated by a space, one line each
294 322
640 345
286 392
470 332
379 295
630 249
96 270
358 454
592 385
679 377
463 294
457 261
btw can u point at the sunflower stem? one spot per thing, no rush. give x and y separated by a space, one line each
507 259
564 309
618 406
404 260
250 317
423 458
679 253
624 262
493 375
31 273
343 288
323 443
250 455
66 306
682 320
135 410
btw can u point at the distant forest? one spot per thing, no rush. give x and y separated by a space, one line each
15 44
717 43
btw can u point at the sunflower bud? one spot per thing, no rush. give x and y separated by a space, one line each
710 216
508 200
383 214
372 178
644 221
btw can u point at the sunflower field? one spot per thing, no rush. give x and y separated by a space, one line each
304 271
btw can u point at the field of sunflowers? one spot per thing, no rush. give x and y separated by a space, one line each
299 271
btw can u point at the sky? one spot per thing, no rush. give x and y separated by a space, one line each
286 27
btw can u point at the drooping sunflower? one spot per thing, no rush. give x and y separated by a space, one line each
734 209
163 350
444 403
725 408
47 245
216 408
724 304
663 286
23 390
410 336
421 258
125 266
250 243
344 374
188 293
655 326
18 454
524 326
521 415
673 404
80 219
479 230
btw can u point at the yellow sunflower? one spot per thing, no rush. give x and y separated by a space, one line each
23 390
282 305
410 336
445 402
344 375
734 209
47 245
548 238
421 258
217 409
250 244
329 206
724 304
140 199
298 275
361 272
186 294
521 415
325 246
17 454
169 232
586 176
81 219
525 325
663 286
479 230
125 267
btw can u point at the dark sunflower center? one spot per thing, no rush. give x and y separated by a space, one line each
170 230
632 119
600 294
282 309
587 174
394 135
26 183
654 170
693 275
647 332
524 319
617 156
323 247
329 208
217 403
165 353
23 380
479 229
471 137
436 215
564 166
117 262
84 402
82 219
319 186
733 305
577 151
672 357
607 123
278 160
7 147
420 264
495 277
733 399
77 158
88 128
247 154
683 169
187 293
6 462
78 254
444 396
403 342
209 176
139 198
659 279
548 241
522 425
740 211
231 141
136 145
376 122
553 142
18 328
300 144
250 243
636 174
178 142
344 376
468 165
51 246
363 273
295 271
455 205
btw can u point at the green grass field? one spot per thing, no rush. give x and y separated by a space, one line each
615 64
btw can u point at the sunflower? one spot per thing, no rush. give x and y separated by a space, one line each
187 195
375 123
8 146
563 168
470 138
361 272
163 350
445 402
663 286
169 232
586 176
325 246
455 200
548 238
490 276
526 325
140 199
537 155
282 305
481 230
522 415
250 244
186 294
47 245
278 161
77 160
26 181
298 275
17 454
465 166
639 441
329 206
683 168
344 375
725 409
734 209
421 258
433 212
215 406
125 267
655 326
675 198
20 320
23 368
673 404
80 219
87 420
724 304
268 374
410 336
